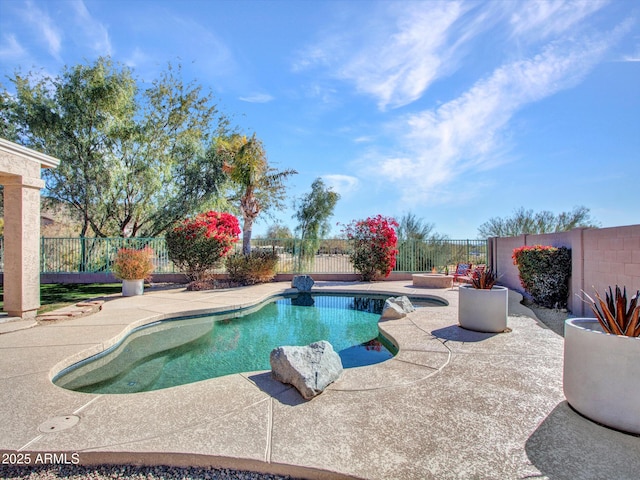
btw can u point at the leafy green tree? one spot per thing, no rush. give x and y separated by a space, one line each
527 222
76 118
278 231
132 162
258 186
8 128
314 210
412 228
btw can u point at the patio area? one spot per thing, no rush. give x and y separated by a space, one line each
453 404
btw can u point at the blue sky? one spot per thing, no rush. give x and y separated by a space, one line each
456 111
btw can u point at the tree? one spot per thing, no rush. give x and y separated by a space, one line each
278 231
76 118
314 210
180 129
258 186
8 128
527 222
412 228
132 162
420 248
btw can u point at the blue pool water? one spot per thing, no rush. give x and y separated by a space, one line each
177 352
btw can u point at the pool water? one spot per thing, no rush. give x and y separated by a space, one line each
176 352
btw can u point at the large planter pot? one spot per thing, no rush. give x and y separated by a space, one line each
131 288
483 310
601 379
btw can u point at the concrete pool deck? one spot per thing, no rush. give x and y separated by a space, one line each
451 404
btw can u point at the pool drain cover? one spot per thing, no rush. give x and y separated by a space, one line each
57 424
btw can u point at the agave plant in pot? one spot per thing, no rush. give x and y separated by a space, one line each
483 305
601 357
133 267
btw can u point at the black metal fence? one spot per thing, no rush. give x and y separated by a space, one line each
95 255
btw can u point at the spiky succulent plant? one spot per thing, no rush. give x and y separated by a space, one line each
483 279
613 314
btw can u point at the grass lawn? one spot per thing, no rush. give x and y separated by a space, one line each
56 295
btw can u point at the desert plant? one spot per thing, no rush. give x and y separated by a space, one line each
198 245
257 267
544 273
373 242
483 279
132 264
613 314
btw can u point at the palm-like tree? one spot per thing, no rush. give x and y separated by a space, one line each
260 187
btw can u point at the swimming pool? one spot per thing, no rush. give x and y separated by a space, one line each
186 350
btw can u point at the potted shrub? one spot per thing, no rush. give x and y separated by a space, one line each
482 305
133 267
601 354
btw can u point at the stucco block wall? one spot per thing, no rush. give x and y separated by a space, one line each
600 258
612 257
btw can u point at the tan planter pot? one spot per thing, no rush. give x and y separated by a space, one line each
601 379
483 310
432 280
131 288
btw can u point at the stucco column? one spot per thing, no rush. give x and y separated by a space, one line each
576 283
22 245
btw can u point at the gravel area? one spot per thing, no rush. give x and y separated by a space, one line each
551 317
112 472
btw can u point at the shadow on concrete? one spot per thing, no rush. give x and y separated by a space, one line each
568 446
459 334
285 394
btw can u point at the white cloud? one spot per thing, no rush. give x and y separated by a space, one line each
467 133
137 57
45 27
394 53
315 55
94 33
396 68
342 184
257 98
10 47
548 17
631 57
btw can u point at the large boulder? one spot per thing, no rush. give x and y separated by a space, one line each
310 369
302 282
397 307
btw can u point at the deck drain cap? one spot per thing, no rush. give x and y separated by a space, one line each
57 424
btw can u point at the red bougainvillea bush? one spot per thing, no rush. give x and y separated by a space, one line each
373 244
197 245
544 273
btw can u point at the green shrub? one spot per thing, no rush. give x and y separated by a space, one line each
257 267
544 273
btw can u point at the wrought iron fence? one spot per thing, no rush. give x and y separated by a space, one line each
94 255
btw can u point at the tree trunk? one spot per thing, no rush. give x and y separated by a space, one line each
246 235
